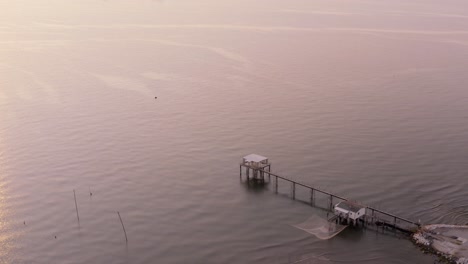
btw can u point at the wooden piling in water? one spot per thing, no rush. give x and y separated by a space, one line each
269 169
312 196
76 206
294 190
276 184
125 232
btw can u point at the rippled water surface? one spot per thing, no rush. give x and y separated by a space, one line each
367 99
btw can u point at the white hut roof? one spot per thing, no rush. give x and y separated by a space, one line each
254 158
350 206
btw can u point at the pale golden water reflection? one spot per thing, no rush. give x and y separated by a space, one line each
363 98
8 228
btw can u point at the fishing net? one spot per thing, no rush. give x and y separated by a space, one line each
320 227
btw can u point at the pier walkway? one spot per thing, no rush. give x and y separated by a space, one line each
372 216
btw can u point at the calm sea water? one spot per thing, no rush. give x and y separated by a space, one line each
367 99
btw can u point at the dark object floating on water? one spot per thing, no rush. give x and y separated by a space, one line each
155 97
55 237
24 222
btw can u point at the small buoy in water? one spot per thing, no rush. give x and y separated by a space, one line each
24 222
155 97
55 237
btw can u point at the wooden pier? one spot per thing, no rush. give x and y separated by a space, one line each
372 216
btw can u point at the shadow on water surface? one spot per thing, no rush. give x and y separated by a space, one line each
255 186
352 234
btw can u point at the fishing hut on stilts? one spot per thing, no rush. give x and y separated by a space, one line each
258 165
345 211
348 212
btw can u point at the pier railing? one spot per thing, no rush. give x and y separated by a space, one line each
369 210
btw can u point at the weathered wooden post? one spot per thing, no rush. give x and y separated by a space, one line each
123 227
312 196
276 184
294 190
76 207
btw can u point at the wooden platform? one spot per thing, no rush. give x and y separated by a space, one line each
373 215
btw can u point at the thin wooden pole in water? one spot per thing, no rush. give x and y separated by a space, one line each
276 184
312 196
294 190
76 206
269 170
125 232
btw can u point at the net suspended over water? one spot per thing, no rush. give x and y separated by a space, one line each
320 227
